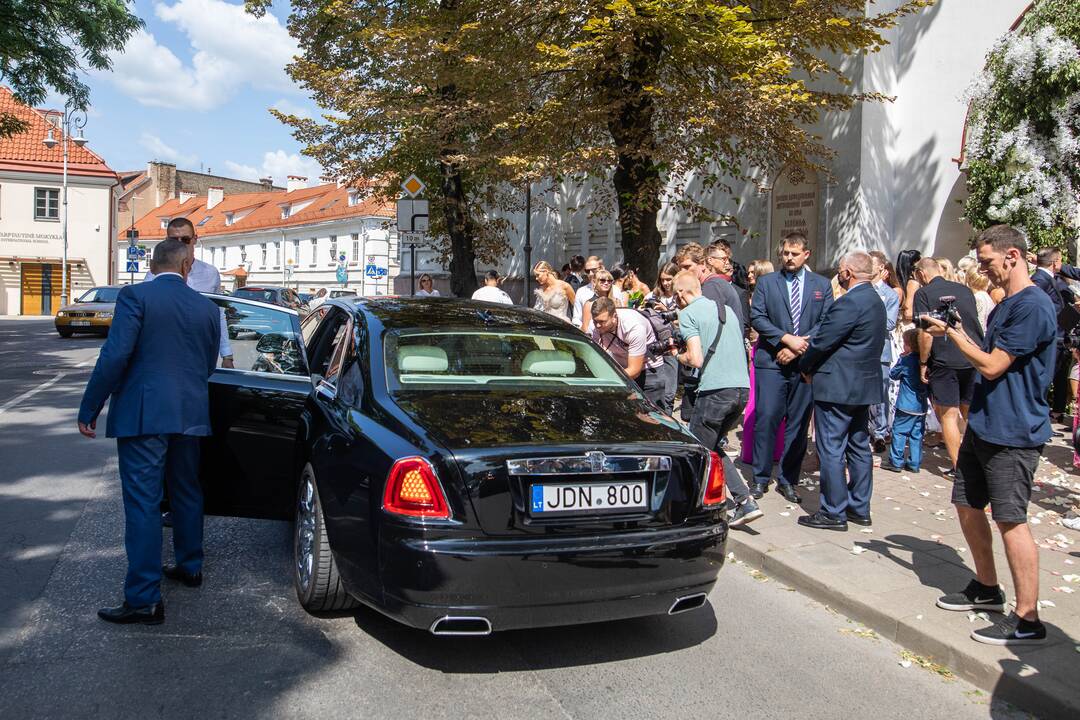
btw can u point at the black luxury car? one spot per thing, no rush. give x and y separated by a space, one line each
460 466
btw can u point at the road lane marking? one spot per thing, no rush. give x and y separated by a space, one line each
31 393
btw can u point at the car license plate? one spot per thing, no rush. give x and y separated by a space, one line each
548 499
80 323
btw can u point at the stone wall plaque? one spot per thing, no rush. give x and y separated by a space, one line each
796 199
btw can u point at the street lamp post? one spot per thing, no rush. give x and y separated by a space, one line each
75 118
528 242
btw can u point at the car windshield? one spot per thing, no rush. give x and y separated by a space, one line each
492 359
266 296
100 295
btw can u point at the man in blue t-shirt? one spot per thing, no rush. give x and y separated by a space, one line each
1008 424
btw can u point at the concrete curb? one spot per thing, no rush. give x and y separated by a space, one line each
1024 692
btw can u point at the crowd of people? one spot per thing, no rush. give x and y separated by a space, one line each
873 362
872 357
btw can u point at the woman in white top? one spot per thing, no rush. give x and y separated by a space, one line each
983 302
553 296
426 290
603 284
664 292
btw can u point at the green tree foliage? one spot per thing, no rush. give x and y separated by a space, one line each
479 95
46 44
1023 136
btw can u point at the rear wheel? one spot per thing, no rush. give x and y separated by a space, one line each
64 332
315 575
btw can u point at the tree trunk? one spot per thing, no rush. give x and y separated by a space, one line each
636 178
459 225
459 228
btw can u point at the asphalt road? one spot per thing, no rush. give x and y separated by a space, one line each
241 646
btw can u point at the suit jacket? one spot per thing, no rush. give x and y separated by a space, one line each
770 313
844 356
1046 282
162 349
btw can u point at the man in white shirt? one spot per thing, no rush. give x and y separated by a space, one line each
203 277
490 292
321 295
586 292
625 334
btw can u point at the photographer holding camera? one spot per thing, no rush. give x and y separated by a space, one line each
945 369
714 343
629 339
1007 428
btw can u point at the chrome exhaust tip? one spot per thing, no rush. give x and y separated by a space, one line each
458 625
687 603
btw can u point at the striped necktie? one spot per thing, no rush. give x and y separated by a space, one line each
796 303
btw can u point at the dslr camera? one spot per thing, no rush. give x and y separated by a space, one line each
1072 338
667 334
946 312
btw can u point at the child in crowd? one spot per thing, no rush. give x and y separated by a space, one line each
910 408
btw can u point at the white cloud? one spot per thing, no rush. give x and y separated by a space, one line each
231 49
241 172
163 151
284 105
278 165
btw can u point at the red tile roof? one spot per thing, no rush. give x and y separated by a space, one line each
328 202
25 152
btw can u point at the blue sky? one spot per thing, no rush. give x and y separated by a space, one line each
193 88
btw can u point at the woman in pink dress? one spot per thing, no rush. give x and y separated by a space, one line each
756 270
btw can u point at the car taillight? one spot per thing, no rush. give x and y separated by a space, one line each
714 482
413 489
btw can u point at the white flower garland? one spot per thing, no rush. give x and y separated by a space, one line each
1036 182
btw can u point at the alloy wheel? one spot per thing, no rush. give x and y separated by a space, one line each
304 548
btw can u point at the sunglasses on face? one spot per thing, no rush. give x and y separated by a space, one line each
186 239
605 282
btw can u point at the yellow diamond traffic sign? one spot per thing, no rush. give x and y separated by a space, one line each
413 186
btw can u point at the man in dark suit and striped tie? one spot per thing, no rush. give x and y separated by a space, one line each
785 310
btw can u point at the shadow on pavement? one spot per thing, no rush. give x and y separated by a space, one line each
543 648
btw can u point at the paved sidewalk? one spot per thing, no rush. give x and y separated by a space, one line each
888 576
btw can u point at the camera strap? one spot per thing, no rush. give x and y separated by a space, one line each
712 348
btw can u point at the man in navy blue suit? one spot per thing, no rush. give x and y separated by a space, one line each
843 364
1049 276
786 308
162 349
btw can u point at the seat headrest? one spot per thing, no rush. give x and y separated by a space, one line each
422 359
548 362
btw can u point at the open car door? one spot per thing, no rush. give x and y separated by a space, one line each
249 465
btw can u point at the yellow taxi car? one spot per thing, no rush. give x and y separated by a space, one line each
92 312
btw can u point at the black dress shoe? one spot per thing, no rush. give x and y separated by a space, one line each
863 520
758 489
821 521
788 492
890 467
127 615
174 573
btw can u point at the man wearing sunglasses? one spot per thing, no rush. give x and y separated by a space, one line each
203 277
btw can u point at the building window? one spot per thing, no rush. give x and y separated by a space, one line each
314 252
333 249
262 254
355 258
277 255
296 251
284 212
228 219
354 197
46 204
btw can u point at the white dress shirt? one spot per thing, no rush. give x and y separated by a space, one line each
205 278
490 293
